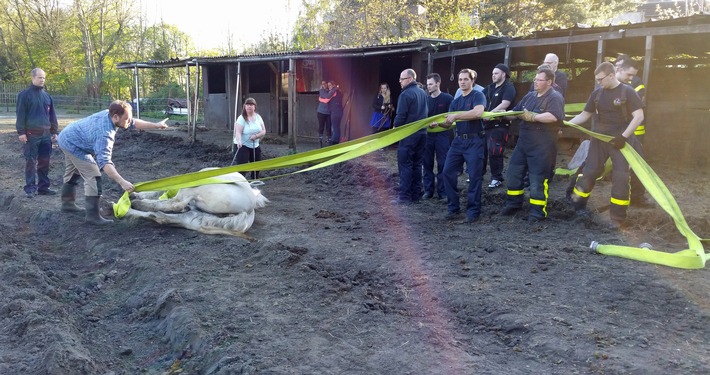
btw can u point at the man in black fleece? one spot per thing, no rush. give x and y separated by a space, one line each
37 128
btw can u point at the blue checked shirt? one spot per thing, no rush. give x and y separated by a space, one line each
90 137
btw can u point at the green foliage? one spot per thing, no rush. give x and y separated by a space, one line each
169 90
271 42
79 42
525 16
351 23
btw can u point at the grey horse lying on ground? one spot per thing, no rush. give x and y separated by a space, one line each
224 208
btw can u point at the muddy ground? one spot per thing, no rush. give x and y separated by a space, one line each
340 281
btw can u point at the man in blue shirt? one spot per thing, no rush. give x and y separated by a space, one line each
88 145
411 106
468 145
437 143
37 128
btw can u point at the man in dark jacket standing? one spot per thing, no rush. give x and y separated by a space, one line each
411 106
37 128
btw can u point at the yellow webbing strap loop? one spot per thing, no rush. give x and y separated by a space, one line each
692 258
124 203
320 157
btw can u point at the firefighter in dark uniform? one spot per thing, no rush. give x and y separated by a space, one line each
611 105
627 72
467 146
536 151
437 143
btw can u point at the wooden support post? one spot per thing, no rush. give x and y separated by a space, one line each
292 128
190 124
648 58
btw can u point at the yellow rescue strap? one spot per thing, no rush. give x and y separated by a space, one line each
320 157
692 258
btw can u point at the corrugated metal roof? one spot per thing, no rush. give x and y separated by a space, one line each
417 45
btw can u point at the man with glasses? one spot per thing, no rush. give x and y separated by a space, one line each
536 150
610 105
411 106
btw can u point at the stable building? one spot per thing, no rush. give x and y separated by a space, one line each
675 68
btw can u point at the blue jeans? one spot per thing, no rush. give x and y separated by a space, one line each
37 151
471 151
410 153
335 124
437 145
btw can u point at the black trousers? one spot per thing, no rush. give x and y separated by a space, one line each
247 155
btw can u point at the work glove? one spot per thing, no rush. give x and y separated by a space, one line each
528 116
618 142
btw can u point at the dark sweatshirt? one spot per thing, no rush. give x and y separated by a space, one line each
35 112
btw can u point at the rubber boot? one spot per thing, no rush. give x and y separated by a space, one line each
92 212
69 198
320 140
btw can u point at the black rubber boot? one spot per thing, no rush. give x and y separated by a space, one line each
92 212
69 198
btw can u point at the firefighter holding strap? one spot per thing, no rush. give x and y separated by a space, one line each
535 151
610 104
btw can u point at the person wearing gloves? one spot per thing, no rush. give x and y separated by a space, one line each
535 152
248 130
87 145
617 111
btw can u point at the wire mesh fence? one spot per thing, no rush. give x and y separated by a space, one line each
83 104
